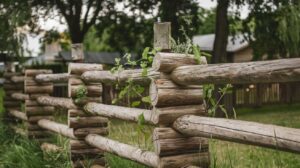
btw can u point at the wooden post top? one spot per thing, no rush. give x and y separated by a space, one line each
162 36
77 52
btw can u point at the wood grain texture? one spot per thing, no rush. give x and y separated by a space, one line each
167 62
123 150
124 113
57 128
245 132
57 102
282 70
61 77
79 68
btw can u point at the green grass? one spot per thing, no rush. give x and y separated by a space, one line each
17 151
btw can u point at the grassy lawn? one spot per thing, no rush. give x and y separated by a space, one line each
17 151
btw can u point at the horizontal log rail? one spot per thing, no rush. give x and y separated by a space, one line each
126 151
57 102
109 78
18 114
57 128
123 113
245 132
62 77
20 96
282 70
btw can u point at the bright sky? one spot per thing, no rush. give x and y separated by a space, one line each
33 43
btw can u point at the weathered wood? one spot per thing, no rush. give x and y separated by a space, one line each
20 96
130 152
162 35
39 89
282 70
39 110
185 160
164 94
18 114
83 122
12 104
83 132
18 79
94 90
265 135
77 113
18 86
57 102
34 72
79 144
108 78
167 62
79 68
30 81
124 113
85 100
57 128
77 52
35 96
167 115
30 103
62 77
35 119
176 143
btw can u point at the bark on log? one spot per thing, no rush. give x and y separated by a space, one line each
56 78
179 161
35 96
79 68
282 70
57 128
94 90
133 153
167 115
30 81
83 101
77 113
30 103
83 122
34 72
35 119
79 144
176 143
265 135
167 62
108 78
164 93
124 113
39 89
13 86
20 96
18 79
83 132
18 114
39 110
57 102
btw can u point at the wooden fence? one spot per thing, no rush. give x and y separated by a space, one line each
182 128
178 110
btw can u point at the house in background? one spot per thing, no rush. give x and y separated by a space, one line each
238 49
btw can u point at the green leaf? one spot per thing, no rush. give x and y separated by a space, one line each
145 53
141 119
135 103
146 99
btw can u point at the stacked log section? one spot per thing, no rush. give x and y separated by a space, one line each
170 101
167 115
11 102
33 109
81 122
168 142
167 62
165 93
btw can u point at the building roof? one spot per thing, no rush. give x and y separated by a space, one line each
89 57
206 42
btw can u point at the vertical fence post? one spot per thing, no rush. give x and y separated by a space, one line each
169 102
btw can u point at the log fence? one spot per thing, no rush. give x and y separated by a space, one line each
178 112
